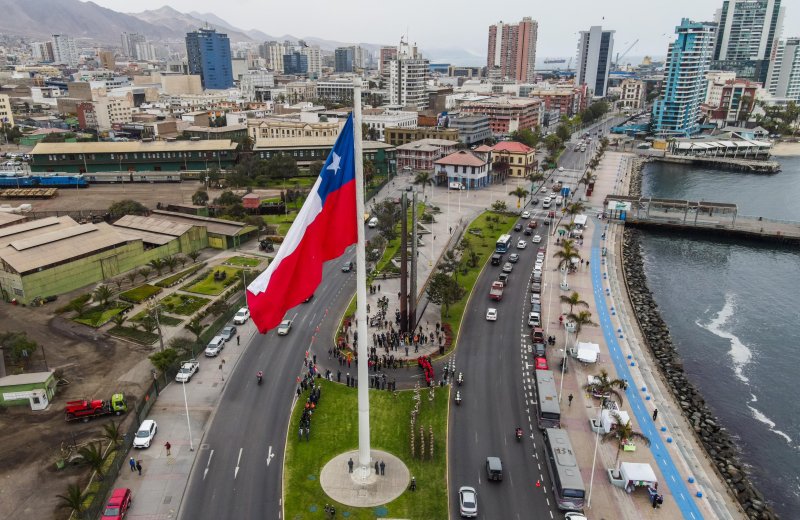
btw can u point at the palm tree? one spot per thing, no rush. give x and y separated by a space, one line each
194 255
605 386
119 319
622 434
102 294
535 177
157 264
572 300
182 259
579 320
575 208
92 455
74 499
171 262
424 179
112 433
196 328
145 272
131 276
80 306
520 193
566 256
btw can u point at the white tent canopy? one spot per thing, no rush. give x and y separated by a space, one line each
608 421
587 352
638 474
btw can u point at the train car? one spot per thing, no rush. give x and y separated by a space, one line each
48 181
156 176
108 177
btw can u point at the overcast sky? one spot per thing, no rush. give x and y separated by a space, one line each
461 23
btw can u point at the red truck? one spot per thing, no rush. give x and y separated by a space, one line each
85 409
496 292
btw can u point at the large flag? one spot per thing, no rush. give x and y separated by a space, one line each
324 228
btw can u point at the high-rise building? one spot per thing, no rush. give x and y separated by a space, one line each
209 55
273 52
5 110
595 48
748 31
295 63
129 42
42 51
106 59
677 110
64 50
408 73
344 58
314 58
512 50
784 70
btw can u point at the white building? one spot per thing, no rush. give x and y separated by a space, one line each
783 81
595 48
716 80
5 110
64 50
273 52
390 119
338 90
256 80
314 55
408 74
469 169
111 110
632 94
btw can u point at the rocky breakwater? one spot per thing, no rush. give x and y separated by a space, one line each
717 442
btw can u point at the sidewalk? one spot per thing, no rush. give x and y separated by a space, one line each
591 283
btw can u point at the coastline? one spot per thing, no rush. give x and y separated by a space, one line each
718 445
783 149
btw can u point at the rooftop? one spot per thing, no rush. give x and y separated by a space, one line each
25 379
151 230
213 225
461 158
135 147
512 146
430 145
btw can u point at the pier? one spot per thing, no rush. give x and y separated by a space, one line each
722 163
715 219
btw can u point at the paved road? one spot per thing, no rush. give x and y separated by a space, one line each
238 470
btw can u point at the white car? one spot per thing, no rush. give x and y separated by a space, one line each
522 244
540 256
284 327
561 168
536 239
508 267
215 346
544 189
491 314
534 320
575 516
467 502
536 299
241 317
537 270
538 266
145 433
526 214
187 370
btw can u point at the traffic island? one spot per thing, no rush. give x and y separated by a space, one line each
316 471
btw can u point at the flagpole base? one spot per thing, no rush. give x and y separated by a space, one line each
363 487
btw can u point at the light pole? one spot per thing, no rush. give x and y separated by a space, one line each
188 423
594 457
154 310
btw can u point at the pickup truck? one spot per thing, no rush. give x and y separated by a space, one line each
188 369
496 292
86 409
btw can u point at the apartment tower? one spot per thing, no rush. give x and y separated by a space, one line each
512 50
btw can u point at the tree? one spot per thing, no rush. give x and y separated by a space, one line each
535 177
102 294
444 290
622 434
227 198
315 167
196 328
74 499
165 359
92 455
499 206
17 345
112 433
131 276
157 264
194 255
183 259
183 345
553 143
526 137
605 386
119 319
171 262
575 208
281 165
423 179
563 132
565 256
388 214
572 300
200 198
127 207
145 272
520 193
579 320
148 324
449 263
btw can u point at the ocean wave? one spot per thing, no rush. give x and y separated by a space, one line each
759 416
740 353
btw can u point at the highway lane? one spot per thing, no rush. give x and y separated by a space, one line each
496 364
239 465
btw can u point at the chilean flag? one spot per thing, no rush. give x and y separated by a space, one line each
324 228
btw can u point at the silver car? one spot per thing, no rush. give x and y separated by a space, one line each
467 502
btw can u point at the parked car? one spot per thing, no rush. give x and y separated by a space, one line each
118 504
215 346
534 319
284 327
228 333
241 316
145 433
491 314
467 502
187 370
541 363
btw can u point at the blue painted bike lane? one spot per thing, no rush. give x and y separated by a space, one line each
636 397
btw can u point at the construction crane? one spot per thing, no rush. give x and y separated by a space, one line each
620 57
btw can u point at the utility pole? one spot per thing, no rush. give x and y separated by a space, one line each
403 263
412 297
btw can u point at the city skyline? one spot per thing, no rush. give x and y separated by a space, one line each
652 24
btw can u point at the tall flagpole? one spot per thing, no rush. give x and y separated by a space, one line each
361 291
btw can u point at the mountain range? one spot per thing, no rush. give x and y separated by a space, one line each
39 19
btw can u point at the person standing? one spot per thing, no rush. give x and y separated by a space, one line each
139 467
350 465
383 468
133 464
377 468
570 398
655 414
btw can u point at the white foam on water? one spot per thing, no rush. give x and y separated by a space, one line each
740 353
766 420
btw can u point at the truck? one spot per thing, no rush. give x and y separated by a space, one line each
86 409
496 292
187 370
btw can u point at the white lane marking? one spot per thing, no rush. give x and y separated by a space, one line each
270 455
238 460
208 464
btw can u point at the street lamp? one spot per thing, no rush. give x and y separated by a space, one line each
188 423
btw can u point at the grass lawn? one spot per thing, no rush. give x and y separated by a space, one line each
170 280
137 335
183 304
139 294
163 319
291 183
283 222
334 429
213 287
243 261
393 246
98 316
483 245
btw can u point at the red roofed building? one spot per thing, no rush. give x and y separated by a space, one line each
513 159
469 169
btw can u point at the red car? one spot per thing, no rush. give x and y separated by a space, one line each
118 505
541 363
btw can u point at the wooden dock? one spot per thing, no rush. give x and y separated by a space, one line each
722 163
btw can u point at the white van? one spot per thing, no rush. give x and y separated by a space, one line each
456 186
373 222
546 202
559 200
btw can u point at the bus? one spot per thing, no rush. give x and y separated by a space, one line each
548 414
564 471
503 244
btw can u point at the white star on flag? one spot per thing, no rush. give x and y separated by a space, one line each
334 165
